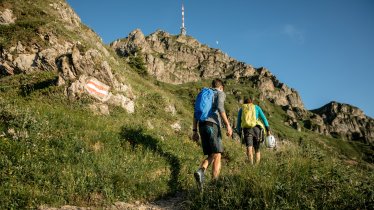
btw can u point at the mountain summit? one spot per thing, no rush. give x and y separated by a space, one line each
179 59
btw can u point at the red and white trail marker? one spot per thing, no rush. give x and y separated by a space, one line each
97 89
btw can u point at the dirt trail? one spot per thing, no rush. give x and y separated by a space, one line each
169 203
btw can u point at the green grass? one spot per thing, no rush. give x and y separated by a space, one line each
56 152
36 19
65 159
66 155
288 183
30 19
137 63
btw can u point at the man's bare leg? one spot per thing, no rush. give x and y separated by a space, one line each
216 165
199 174
250 154
258 157
206 162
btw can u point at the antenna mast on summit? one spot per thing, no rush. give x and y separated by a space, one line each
183 29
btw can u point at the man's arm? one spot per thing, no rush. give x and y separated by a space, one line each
239 122
194 124
195 135
263 118
226 121
222 112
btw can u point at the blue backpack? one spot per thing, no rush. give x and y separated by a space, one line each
204 104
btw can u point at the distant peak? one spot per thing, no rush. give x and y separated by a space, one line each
135 35
337 107
161 32
336 103
136 32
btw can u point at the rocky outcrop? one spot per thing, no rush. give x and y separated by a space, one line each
78 69
77 61
181 59
66 13
28 59
343 120
277 92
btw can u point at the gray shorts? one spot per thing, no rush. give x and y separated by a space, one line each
211 139
252 137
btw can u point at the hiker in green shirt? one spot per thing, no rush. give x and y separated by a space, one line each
252 128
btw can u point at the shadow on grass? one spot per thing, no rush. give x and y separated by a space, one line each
137 136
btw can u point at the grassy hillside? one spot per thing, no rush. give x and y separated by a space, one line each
57 152
36 18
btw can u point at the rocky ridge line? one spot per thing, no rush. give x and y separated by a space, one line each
179 59
343 120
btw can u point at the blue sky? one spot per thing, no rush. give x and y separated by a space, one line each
322 48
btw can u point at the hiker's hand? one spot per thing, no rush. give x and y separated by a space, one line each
268 133
229 131
195 136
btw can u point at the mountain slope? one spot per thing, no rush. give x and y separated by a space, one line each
48 36
179 59
62 145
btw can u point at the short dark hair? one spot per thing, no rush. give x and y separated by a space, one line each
248 100
216 83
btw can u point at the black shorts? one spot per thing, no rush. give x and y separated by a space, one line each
211 139
252 137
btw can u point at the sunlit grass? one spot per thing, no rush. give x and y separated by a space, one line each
56 152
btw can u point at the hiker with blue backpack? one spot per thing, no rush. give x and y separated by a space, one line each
209 113
252 128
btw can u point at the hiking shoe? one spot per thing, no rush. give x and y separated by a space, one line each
199 177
